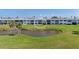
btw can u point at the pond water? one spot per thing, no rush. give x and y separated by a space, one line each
40 33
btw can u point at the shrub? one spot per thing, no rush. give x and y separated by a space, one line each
75 32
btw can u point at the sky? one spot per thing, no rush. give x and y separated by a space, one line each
39 12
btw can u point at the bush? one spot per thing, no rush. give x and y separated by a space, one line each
54 29
4 27
75 32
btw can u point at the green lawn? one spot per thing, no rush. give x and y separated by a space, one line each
62 40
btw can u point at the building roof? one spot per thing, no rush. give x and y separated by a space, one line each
37 18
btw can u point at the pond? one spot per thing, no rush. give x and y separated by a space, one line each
38 33
35 33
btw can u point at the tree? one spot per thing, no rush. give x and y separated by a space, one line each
12 23
54 17
19 25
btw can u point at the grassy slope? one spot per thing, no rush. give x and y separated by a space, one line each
62 40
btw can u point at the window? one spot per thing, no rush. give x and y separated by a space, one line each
69 20
52 20
61 20
64 20
60 23
52 23
32 21
39 21
36 23
48 21
56 21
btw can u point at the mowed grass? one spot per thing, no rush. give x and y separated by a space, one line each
63 40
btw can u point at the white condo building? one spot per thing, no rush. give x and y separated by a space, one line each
43 20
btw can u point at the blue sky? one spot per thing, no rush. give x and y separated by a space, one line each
38 12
